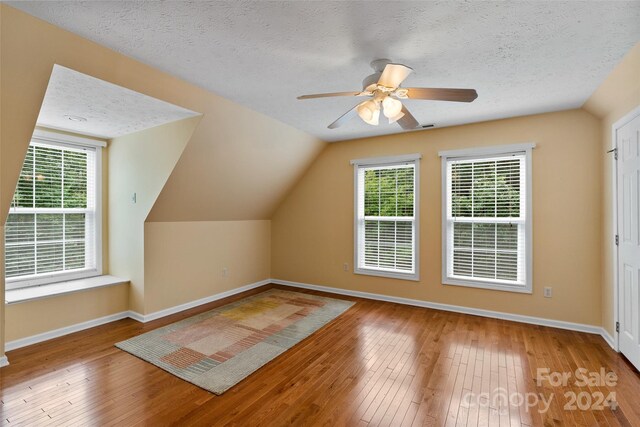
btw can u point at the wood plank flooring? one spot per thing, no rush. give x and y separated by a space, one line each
379 364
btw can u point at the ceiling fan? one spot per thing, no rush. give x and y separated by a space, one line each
383 87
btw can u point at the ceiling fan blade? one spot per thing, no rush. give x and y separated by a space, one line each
407 121
327 95
394 74
441 94
344 118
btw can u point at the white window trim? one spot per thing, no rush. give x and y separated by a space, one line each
70 141
474 153
48 137
381 161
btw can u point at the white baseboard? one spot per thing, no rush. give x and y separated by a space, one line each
34 339
23 342
178 308
608 338
447 307
136 316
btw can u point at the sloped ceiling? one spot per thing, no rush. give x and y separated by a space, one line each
237 165
621 87
523 57
108 110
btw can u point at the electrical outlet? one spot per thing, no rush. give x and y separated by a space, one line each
225 272
345 266
548 292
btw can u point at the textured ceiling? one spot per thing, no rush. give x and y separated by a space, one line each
109 110
522 57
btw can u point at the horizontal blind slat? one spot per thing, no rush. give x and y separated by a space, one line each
51 221
386 210
486 219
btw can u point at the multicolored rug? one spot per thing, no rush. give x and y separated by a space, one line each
217 349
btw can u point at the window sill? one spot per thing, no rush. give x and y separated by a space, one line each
388 274
487 285
15 296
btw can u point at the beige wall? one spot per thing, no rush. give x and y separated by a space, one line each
245 163
141 163
2 317
241 168
238 164
616 96
268 156
184 260
35 317
2 304
312 231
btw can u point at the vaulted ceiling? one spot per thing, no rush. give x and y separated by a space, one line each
237 165
522 57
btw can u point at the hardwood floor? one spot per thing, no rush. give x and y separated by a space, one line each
377 364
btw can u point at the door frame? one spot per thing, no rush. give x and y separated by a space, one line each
616 284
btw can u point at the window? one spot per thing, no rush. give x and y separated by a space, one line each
487 218
53 229
386 225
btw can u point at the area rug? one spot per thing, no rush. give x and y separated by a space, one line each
219 348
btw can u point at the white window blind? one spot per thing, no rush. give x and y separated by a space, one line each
487 221
51 230
386 219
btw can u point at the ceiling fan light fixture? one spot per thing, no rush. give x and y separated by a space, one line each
383 87
396 117
369 112
392 107
401 93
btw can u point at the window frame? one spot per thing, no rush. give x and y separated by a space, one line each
478 154
381 162
55 139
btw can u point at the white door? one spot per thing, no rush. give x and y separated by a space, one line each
628 144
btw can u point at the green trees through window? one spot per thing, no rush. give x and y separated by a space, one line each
485 189
388 224
388 192
46 226
52 178
485 218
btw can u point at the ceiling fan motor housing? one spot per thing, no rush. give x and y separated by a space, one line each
372 80
385 95
370 83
